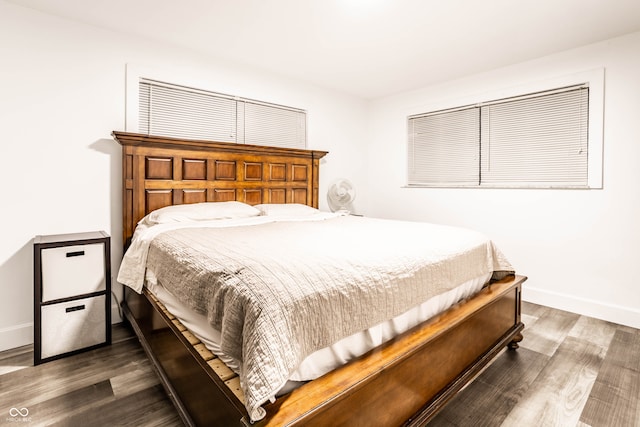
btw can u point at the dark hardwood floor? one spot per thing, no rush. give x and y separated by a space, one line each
109 386
570 370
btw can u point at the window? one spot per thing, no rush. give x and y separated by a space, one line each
536 140
182 112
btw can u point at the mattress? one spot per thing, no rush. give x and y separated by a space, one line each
283 298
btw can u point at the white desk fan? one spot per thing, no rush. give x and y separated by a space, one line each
341 195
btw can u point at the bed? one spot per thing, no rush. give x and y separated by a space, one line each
404 381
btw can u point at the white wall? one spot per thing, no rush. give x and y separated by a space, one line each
579 248
62 92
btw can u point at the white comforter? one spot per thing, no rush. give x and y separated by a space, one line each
288 288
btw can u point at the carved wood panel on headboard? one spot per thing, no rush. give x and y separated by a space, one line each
160 171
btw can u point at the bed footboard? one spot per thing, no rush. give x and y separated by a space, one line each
404 382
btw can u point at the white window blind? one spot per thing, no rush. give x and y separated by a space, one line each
268 125
181 112
535 140
443 148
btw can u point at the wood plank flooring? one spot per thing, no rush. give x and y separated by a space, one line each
570 370
109 386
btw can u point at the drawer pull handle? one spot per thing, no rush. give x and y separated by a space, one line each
77 253
76 308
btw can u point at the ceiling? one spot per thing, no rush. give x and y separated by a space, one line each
368 48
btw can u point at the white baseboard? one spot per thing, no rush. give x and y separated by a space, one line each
16 336
610 312
19 335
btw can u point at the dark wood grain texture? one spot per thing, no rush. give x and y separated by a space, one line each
161 171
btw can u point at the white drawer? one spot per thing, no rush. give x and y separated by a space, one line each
72 270
72 325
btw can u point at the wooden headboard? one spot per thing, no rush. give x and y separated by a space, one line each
160 171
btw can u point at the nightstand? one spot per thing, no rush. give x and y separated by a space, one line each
72 294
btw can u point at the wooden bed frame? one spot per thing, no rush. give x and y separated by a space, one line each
404 382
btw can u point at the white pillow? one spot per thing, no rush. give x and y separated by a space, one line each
286 209
200 212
